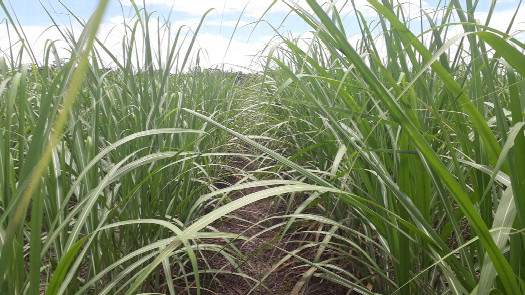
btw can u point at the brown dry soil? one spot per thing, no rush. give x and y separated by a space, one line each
259 254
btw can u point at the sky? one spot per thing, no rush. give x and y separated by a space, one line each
232 34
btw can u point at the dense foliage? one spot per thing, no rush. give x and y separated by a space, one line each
410 158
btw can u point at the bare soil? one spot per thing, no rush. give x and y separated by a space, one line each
260 253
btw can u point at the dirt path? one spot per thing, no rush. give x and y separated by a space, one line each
259 253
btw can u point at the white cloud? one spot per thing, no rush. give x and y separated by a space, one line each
37 38
255 8
194 22
229 23
199 7
215 49
500 20
218 50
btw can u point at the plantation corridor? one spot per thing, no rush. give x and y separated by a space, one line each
269 269
378 149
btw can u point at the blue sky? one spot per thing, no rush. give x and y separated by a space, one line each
32 12
218 27
221 21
